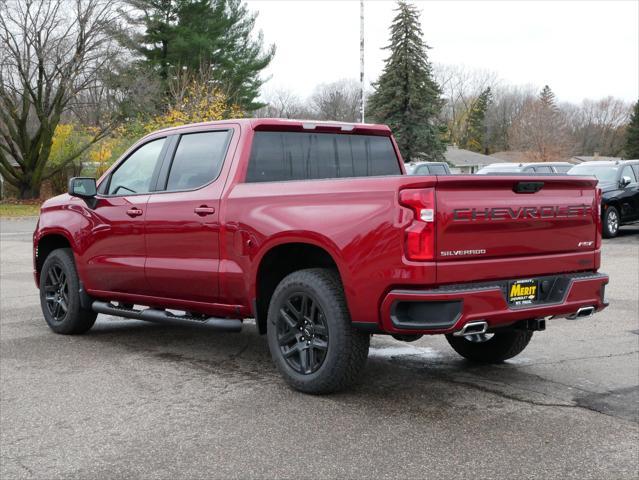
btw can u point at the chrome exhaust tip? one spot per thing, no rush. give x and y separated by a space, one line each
583 312
472 328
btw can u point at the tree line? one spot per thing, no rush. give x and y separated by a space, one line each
429 106
81 80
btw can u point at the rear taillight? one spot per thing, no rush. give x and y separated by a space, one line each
420 234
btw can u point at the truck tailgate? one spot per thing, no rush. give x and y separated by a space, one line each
502 222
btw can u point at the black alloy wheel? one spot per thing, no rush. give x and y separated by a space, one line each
302 333
60 295
310 335
56 288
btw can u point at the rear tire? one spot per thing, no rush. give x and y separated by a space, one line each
310 336
501 346
610 222
60 295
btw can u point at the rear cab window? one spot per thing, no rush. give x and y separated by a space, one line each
282 156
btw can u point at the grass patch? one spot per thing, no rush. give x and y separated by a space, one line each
19 209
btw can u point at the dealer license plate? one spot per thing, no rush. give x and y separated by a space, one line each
523 292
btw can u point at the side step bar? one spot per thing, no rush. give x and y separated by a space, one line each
162 316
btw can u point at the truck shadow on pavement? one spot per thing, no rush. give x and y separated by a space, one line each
420 378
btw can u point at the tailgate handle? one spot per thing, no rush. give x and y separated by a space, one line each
528 187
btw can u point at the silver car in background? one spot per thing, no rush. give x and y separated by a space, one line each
539 167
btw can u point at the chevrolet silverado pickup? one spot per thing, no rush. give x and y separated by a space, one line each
315 231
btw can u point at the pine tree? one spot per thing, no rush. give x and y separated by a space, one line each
406 97
631 148
547 98
210 34
474 137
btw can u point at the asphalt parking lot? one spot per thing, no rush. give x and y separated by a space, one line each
136 400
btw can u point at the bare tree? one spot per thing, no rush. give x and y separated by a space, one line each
51 54
540 130
461 87
598 126
282 103
337 101
507 104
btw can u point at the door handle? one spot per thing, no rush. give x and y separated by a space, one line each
204 210
134 212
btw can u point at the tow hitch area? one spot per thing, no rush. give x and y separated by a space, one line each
533 324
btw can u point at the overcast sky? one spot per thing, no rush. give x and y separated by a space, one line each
582 49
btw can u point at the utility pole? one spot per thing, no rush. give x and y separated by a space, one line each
361 58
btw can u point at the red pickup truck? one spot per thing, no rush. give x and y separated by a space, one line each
314 230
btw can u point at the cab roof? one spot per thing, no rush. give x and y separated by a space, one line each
281 124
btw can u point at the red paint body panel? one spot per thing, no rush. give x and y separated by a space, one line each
173 257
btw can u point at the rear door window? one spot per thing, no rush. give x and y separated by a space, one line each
543 169
197 160
278 156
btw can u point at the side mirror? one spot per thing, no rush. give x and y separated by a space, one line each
625 181
85 188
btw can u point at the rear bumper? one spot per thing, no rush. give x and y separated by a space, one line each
448 309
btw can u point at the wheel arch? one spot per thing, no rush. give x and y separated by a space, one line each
47 243
278 261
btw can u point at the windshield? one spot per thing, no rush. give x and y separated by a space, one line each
499 168
604 173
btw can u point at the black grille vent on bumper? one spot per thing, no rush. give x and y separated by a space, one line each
409 315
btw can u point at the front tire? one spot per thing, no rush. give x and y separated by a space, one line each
60 295
491 347
610 222
310 336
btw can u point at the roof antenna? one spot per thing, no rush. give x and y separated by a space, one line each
361 59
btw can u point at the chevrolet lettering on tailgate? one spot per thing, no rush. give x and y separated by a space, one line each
521 213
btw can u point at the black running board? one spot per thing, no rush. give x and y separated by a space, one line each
162 316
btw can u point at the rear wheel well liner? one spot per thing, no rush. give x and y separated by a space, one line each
280 261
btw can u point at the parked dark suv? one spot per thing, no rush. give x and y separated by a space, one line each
619 183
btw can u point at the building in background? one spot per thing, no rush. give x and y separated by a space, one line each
465 161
